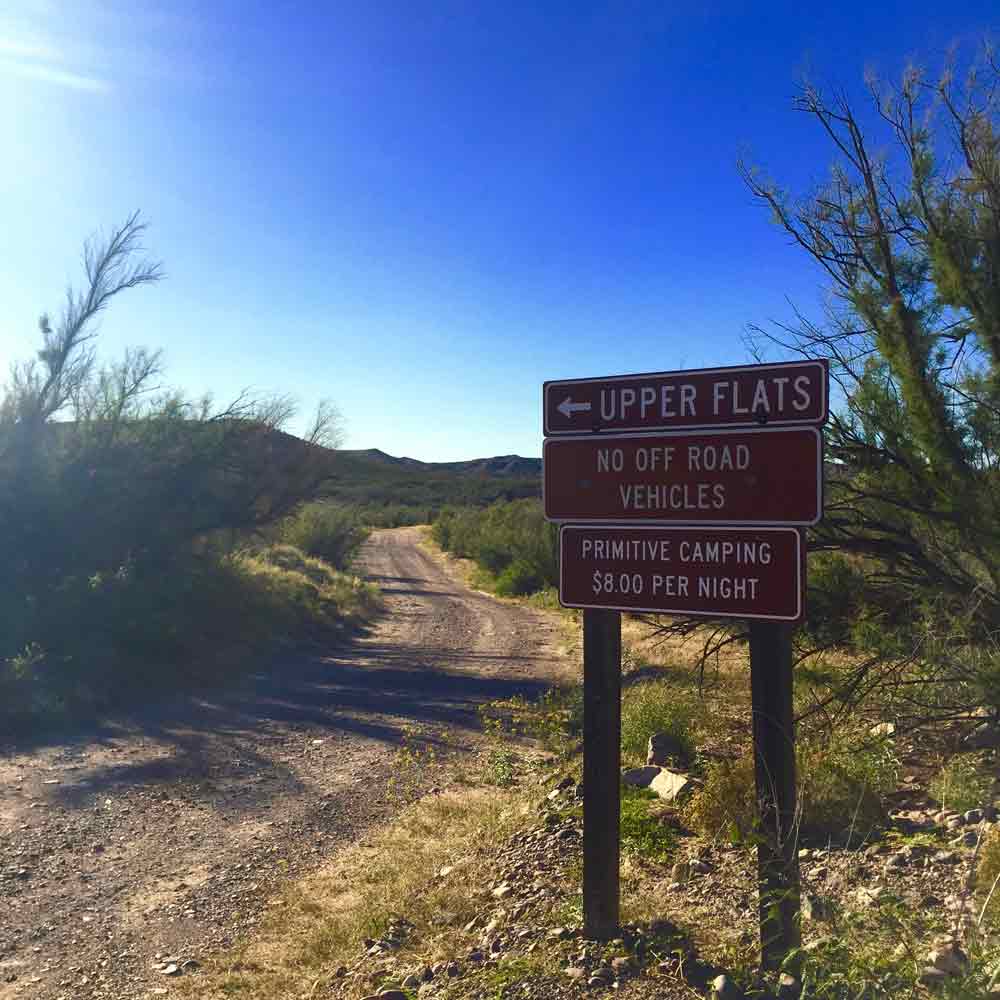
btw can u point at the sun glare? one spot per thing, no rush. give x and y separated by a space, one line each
31 50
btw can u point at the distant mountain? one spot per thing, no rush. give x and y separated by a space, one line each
372 477
501 465
510 466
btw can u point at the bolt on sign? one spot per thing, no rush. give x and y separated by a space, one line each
722 572
792 393
762 476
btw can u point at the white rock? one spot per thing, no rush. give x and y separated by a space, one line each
670 785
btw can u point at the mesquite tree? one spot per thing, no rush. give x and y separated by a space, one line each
105 472
906 232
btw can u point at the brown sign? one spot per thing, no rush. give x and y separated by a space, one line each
734 477
747 395
727 572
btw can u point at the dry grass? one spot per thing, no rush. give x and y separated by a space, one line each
309 590
322 921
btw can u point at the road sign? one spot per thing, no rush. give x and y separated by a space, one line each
723 572
744 396
738 477
720 509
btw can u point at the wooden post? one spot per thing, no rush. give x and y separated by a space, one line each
774 754
602 660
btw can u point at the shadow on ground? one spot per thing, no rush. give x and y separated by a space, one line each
367 690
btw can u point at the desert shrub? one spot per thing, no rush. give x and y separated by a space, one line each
331 533
643 831
836 594
961 784
111 637
555 719
841 788
394 515
510 540
904 228
20 690
726 803
658 707
456 530
500 767
120 501
842 785
520 577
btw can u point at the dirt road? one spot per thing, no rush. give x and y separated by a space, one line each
164 835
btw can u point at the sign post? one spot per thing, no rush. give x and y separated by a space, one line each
687 493
774 772
602 651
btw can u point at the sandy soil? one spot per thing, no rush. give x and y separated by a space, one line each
163 835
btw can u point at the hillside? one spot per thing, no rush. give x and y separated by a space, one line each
372 477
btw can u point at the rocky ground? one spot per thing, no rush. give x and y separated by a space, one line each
129 852
526 940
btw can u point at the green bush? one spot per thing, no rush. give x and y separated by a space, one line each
333 534
119 503
510 540
393 515
500 768
659 707
643 832
726 803
555 719
836 591
21 689
111 637
842 784
519 578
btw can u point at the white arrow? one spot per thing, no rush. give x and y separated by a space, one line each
567 407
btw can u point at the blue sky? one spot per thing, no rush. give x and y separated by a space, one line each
422 210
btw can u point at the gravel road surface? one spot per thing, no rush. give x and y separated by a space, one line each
164 834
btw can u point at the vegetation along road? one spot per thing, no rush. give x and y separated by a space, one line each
149 843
